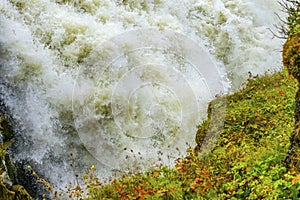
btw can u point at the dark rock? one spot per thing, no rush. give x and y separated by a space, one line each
16 193
9 188
27 178
6 130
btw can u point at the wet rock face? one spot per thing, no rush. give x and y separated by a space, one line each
6 131
29 181
9 188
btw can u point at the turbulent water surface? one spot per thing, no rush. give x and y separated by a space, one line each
119 83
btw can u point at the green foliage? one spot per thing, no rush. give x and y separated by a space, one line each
292 8
291 49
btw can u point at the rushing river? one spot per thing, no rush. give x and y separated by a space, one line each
123 84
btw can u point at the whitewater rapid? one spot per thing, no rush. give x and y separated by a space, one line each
87 77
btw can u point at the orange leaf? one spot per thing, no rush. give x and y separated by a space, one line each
295 180
162 194
77 188
197 180
230 191
181 170
134 191
156 174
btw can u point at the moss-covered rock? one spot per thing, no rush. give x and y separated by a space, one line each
5 193
291 61
7 167
17 192
9 190
209 131
6 132
291 55
20 193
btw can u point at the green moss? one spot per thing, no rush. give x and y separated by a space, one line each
20 193
16 193
291 55
5 193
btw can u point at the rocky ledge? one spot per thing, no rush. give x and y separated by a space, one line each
9 187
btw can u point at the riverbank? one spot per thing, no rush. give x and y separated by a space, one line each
247 161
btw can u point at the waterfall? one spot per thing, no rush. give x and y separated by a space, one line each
122 85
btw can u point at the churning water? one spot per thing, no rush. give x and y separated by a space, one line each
123 84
